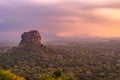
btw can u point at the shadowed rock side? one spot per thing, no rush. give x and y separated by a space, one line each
30 38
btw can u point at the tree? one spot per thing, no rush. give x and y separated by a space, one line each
7 75
56 75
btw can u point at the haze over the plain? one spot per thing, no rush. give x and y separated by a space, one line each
60 18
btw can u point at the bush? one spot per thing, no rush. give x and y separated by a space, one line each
56 75
7 75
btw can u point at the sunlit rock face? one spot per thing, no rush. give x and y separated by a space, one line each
30 38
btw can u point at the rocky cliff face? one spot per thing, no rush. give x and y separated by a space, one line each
32 37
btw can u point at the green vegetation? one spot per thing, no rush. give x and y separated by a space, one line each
57 75
7 75
86 61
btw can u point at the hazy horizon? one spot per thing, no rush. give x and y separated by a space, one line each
60 19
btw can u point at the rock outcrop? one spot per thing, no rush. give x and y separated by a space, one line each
30 38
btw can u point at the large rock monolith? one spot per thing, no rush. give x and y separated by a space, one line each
30 38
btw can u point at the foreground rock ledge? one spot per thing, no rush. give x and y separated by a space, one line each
30 38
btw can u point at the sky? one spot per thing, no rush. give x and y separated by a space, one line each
60 19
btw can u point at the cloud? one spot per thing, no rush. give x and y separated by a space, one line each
45 1
110 13
1 21
61 18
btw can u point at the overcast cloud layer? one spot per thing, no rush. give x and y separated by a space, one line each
60 18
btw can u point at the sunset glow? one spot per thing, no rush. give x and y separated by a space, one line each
61 18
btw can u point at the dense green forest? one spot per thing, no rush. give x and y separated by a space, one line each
85 61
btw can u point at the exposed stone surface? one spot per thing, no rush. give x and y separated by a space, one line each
32 37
